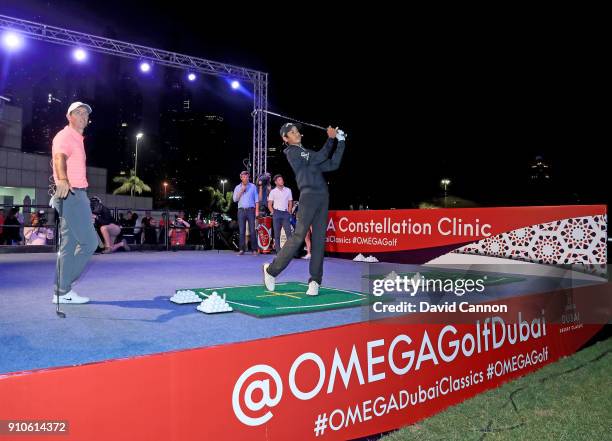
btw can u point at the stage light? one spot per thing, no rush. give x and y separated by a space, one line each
235 85
79 54
12 40
191 77
145 67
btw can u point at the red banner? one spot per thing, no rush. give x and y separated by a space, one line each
385 231
337 383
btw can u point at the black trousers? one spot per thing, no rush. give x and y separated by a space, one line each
312 212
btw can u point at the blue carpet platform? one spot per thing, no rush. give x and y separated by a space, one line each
130 313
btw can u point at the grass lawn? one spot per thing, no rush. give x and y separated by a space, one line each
570 399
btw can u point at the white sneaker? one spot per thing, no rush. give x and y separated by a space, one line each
269 281
313 289
307 257
72 298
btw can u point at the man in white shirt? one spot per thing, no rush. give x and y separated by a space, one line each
280 203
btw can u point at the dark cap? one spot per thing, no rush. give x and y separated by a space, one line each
286 128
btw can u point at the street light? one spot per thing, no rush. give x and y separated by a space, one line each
445 183
165 190
138 136
223 181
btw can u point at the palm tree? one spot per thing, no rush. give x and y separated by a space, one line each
130 185
227 203
218 201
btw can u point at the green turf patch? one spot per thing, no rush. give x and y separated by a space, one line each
566 400
287 298
488 279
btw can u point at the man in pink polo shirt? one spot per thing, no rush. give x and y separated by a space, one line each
78 239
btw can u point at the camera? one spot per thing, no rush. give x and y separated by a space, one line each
95 203
264 179
42 217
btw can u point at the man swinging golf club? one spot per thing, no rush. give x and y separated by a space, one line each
308 166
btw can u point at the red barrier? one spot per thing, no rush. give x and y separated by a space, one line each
337 383
552 235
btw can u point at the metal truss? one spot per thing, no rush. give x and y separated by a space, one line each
259 80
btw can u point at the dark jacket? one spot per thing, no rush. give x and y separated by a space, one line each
104 216
309 165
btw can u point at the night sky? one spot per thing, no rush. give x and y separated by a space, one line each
472 105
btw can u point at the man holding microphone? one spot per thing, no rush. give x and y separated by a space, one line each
246 195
